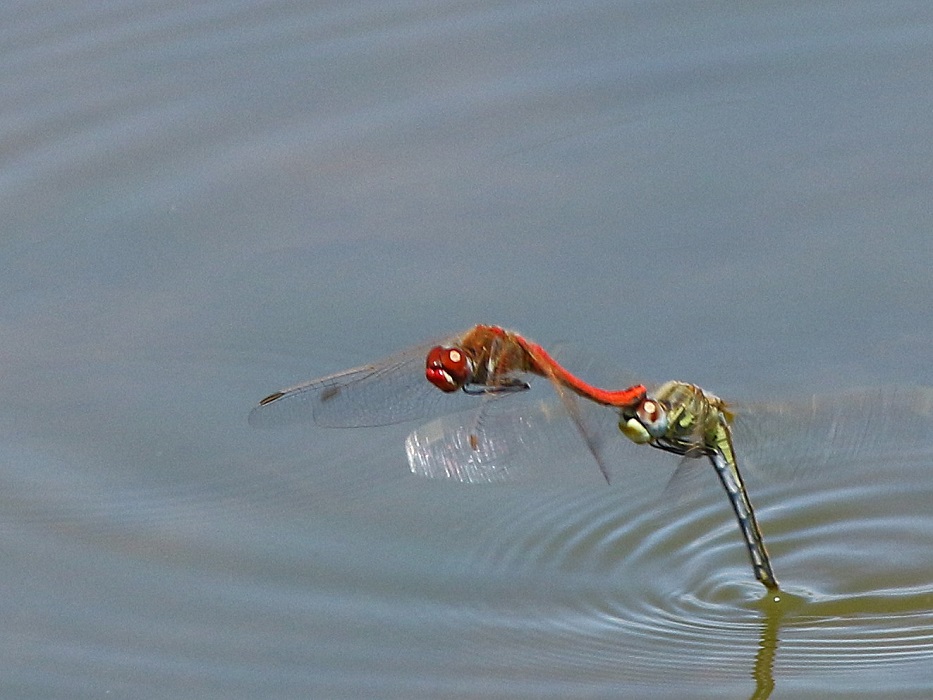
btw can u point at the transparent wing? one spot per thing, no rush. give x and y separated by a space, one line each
858 427
523 440
393 390
537 441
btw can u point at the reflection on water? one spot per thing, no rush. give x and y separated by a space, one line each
763 672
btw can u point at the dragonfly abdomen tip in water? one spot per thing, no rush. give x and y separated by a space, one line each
684 419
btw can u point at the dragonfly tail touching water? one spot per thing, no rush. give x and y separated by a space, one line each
728 472
683 419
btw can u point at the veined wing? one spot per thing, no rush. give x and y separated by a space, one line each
825 430
393 390
530 439
537 441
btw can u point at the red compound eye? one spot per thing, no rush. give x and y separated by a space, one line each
449 369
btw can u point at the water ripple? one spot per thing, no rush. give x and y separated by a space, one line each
670 588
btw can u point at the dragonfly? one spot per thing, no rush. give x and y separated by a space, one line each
686 420
862 427
485 362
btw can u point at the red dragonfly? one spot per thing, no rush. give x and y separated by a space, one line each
436 379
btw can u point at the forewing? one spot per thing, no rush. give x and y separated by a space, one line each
391 391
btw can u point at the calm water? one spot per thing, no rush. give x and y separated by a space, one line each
204 203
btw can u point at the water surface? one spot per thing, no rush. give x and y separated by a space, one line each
204 204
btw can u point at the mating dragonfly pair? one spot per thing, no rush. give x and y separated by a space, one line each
490 362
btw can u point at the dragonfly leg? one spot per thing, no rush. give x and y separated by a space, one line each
508 386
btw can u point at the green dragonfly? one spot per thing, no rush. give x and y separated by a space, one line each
686 420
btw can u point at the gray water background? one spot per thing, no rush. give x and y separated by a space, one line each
204 203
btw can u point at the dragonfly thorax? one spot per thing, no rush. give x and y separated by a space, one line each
677 417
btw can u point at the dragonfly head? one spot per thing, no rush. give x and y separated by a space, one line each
645 422
448 368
